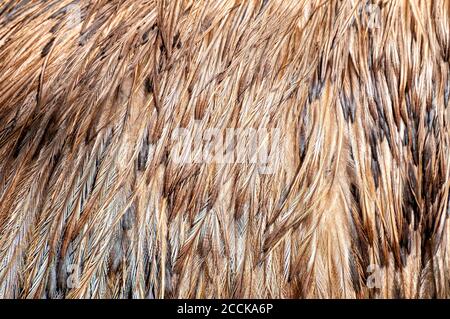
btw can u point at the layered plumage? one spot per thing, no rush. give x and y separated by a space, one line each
93 204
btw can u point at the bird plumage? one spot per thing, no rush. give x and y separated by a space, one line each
94 204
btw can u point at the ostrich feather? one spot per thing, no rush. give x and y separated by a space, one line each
350 103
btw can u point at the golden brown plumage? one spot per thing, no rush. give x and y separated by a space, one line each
93 203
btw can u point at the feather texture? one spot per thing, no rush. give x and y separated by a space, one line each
95 204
